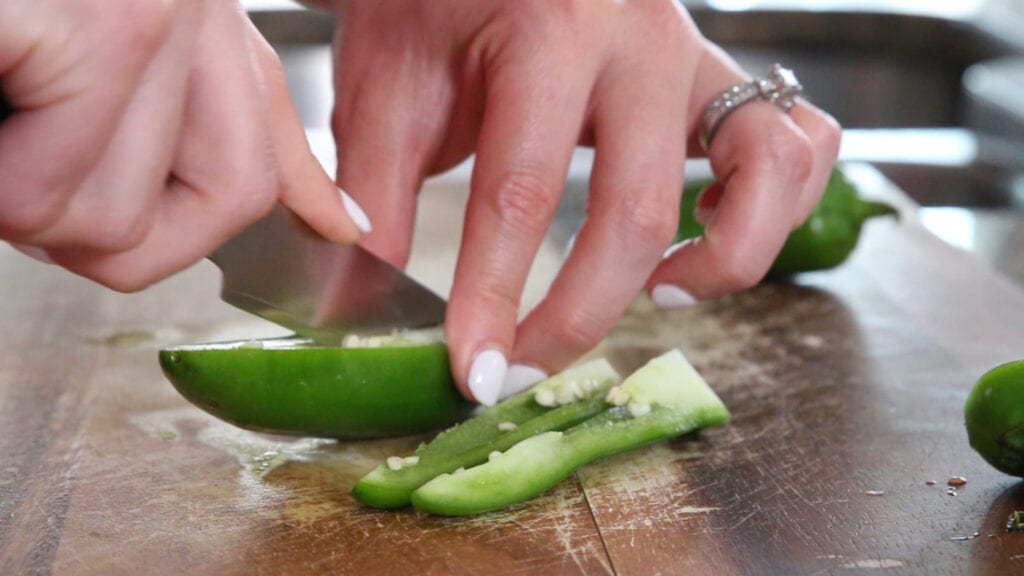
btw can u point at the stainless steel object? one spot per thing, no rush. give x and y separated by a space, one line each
780 87
282 271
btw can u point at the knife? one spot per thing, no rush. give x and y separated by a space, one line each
282 271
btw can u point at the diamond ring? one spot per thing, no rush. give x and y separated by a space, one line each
780 87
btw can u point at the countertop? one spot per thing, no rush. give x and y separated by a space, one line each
846 387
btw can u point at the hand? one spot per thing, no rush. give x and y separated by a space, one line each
422 85
146 132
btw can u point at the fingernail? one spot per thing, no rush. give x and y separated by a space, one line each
679 246
520 377
486 376
669 296
34 252
356 212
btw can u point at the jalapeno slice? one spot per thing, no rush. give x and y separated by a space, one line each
372 388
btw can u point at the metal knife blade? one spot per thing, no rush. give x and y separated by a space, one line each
282 271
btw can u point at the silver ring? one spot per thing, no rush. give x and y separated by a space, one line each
780 87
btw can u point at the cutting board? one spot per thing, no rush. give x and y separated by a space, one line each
846 387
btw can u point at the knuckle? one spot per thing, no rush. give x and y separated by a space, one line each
826 135
29 220
669 26
494 293
525 200
553 14
249 188
123 234
579 330
785 147
648 220
739 270
257 198
146 24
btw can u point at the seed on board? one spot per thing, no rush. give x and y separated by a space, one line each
930 482
1015 522
875 492
957 481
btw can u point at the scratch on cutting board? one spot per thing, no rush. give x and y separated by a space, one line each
873 563
554 514
650 476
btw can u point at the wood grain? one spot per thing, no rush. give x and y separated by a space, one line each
846 389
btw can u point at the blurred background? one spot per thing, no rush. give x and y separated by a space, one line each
930 92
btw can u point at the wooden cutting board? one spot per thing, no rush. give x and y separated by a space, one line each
846 387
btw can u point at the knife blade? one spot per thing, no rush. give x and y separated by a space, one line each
282 271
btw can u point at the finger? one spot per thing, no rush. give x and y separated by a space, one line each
534 110
114 205
633 213
824 134
223 177
763 161
63 120
388 115
306 189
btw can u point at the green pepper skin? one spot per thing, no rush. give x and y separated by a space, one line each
679 401
994 417
470 442
825 240
287 386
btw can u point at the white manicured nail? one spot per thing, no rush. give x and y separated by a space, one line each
486 376
34 252
669 296
679 246
356 212
520 377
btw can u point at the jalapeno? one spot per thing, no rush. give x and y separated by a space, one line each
575 395
825 240
994 416
367 388
663 399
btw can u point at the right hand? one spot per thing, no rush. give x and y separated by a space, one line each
144 133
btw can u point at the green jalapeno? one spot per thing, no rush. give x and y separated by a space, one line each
663 399
825 240
994 417
368 388
564 400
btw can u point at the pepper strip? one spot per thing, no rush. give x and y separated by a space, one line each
678 399
470 443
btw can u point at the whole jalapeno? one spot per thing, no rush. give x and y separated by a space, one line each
825 240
